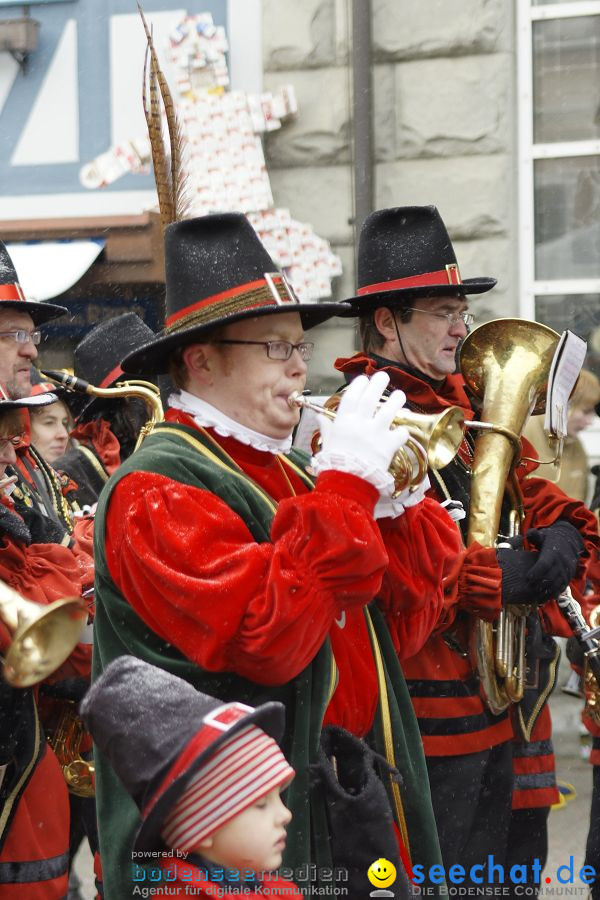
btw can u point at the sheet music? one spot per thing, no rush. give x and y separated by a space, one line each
564 372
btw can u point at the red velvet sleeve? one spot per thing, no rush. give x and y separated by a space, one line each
193 572
472 583
545 503
83 548
423 546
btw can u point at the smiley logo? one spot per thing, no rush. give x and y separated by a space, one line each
381 873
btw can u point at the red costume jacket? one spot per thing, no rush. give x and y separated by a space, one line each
441 678
34 811
100 439
157 566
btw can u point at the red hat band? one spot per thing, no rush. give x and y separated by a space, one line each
11 292
448 275
271 290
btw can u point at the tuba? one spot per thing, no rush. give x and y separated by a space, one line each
145 390
505 364
434 439
42 636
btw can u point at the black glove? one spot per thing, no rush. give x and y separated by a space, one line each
14 526
560 547
516 565
575 653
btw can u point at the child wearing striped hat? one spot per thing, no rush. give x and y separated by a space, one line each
207 779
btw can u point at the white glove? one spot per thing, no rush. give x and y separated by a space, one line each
389 507
359 440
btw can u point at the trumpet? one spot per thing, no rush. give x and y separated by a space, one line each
42 636
434 439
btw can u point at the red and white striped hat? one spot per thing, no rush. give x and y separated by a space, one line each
243 769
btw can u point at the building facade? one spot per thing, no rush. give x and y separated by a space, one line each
488 109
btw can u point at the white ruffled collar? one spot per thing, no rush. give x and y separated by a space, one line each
207 416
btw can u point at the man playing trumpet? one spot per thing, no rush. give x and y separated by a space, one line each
413 313
221 559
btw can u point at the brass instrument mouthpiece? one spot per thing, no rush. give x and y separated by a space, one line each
70 382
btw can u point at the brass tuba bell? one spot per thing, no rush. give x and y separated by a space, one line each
506 365
434 439
42 636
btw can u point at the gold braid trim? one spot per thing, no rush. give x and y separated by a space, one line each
259 297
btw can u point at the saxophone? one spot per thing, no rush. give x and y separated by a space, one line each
145 390
66 743
591 681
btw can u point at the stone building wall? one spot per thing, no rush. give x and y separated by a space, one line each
444 128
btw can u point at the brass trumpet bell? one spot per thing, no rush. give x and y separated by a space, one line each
434 439
42 636
440 435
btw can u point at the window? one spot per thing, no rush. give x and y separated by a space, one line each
559 143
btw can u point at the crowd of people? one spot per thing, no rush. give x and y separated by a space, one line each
285 672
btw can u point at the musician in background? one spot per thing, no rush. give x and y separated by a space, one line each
574 471
220 559
413 315
37 494
106 429
34 801
535 790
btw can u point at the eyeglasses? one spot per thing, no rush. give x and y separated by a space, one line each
451 318
279 349
15 440
23 337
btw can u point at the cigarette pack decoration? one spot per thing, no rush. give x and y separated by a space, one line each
225 160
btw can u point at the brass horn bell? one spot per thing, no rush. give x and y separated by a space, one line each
505 364
434 439
42 636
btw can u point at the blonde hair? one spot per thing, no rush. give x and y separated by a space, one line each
586 393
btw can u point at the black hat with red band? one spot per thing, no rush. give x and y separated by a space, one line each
12 296
405 253
217 272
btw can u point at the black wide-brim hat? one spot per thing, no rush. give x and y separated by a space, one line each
157 731
403 253
12 296
97 357
45 399
218 272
